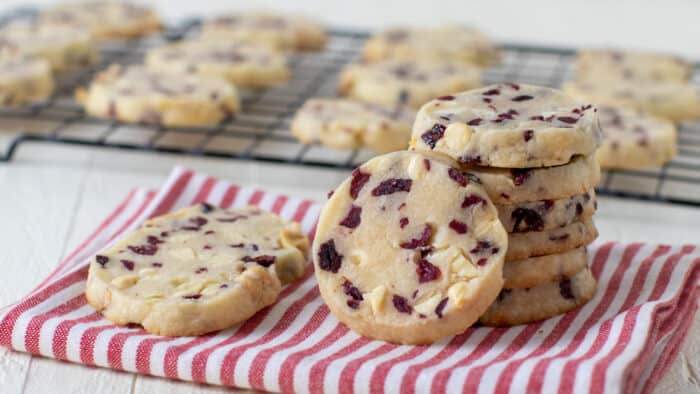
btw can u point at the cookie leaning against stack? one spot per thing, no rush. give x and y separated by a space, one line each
533 150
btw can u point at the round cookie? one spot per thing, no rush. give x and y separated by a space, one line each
349 124
241 64
64 47
104 19
447 43
197 270
410 83
534 271
542 243
632 139
507 125
24 80
283 32
612 64
521 306
135 94
672 100
409 249
547 214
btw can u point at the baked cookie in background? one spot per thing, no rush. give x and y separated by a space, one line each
409 83
350 124
104 19
450 43
244 65
632 65
197 270
24 80
135 94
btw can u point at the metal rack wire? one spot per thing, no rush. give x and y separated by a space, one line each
260 132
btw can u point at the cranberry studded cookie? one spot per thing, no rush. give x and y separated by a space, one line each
197 270
521 306
547 214
534 271
24 80
409 249
632 139
349 124
104 19
135 94
643 66
409 83
244 65
282 32
64 47
508 125
448 43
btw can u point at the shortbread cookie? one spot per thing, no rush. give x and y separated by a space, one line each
104 19
409 250
448 43
197 270
349 124
64 47
632 139
559 240
534 271
410 83
521 306
24 80
241 64
547 214
614 64
135 94
284 32
507 125
675 101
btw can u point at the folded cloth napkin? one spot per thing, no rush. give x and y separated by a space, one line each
621 341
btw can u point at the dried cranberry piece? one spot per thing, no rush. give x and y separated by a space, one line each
532 220
492 92
146 250
401 304
579 209
482 262
192 297
330 193
470 159
503 294
153 240
548 204
157 264
201 269
391 186
403 222
209 232
128 264
427 271
328 257
240 245
359 179
423 240
206 207
565 289
512 85
520 175
426 163
441 307
446 98
522 97
458 227
354 293
353 219
199 221
207 247
483 246
537 117
102 260
223 286
567 119
457 176
264 260
472 199
528 134
432 136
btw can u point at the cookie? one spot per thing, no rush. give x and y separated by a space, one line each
675 101
448 43
135 94
542 243
241 64
349 124
521 306
104 19
402 82
547 214
408 249
632 139
507 125
534 271
24 80
282 32
614 64
64 47
197 270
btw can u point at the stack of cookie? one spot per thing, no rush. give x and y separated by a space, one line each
533 149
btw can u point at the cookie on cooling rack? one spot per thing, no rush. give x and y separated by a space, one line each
615 64
197 270
24 80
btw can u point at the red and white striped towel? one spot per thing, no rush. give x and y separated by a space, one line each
621 341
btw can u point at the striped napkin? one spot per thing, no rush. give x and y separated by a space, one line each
621 341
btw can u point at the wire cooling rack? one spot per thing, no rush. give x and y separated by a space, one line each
261 131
